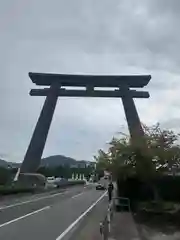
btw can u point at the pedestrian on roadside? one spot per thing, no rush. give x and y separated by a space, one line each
110 190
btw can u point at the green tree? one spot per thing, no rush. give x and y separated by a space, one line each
158 154
4 175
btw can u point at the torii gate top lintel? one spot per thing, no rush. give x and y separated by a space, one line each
72 80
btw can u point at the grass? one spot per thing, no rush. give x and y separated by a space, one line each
161 206
154 220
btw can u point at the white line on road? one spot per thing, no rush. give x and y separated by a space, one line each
24 216
32 200
79 218
77 195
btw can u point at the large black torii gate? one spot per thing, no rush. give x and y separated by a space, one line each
58 83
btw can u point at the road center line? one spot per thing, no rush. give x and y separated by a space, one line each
24 216
79 218
32 200
77 195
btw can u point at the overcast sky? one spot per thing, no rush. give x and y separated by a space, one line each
85 36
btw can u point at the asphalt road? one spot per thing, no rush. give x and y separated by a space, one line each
47 217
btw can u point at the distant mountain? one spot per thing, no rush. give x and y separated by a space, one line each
5 164
56 160
51 161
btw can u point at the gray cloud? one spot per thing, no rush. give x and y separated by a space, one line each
85 36
172 123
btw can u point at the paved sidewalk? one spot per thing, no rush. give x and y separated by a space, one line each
123 227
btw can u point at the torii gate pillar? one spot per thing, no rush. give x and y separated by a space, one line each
133 121
35 150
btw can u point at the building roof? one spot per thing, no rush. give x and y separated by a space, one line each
72 80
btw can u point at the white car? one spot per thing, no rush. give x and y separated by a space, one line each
51 179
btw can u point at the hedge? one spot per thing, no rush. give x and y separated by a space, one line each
70 183
10 189
168 188
7 190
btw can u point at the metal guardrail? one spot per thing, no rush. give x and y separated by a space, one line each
105 225
123 202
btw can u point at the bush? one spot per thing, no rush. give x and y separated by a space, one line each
19 188
168 187
4 175
134 189
7 190
76 182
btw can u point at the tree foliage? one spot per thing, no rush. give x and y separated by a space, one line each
65 171
161 153
4 175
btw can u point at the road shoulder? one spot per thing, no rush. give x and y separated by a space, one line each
89 228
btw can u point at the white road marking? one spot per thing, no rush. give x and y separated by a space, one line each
24 216
77 195
32 200
79 218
